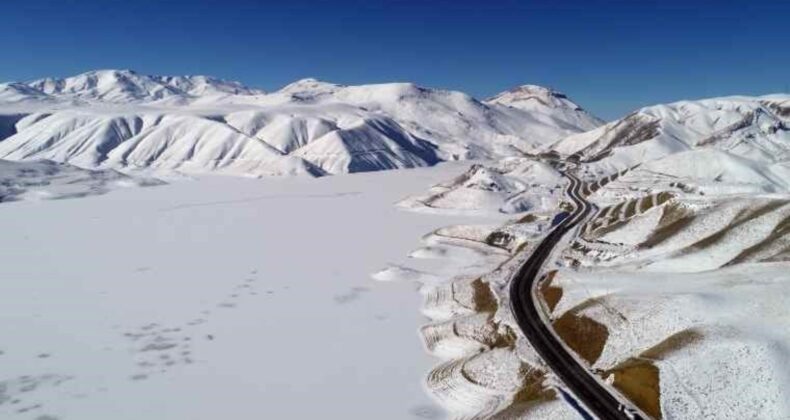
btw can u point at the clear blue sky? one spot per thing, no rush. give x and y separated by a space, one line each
610 56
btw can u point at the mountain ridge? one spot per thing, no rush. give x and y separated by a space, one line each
124 86
124 120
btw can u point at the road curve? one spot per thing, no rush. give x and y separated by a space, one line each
582 383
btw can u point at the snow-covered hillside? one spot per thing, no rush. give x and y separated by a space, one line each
123 120
673 290
754 128
45 180
544 101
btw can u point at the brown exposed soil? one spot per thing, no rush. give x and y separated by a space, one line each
607 229
638 380
674 219
505 337
663 197
550 155
615 216
566 206
614 211
532 395
483 297
528 218
534 389
499 239
634 130
630 208
645 204
551 294
583 335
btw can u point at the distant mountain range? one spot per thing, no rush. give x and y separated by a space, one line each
127 86
121 119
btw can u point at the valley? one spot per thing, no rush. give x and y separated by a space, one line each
183 236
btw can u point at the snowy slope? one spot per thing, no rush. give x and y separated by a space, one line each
15 93
673 290
45 180
547 103
152 141
756 128
513 185
121 119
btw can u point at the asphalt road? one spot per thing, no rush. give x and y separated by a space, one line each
577 378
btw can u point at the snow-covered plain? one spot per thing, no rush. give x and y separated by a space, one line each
222 298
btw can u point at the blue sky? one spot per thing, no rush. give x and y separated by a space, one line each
609 56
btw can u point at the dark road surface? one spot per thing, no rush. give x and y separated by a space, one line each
577 378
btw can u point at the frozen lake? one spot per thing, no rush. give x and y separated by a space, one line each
216 298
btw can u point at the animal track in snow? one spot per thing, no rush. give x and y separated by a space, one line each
158 348
15 391
353 294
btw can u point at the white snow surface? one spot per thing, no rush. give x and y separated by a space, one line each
736 369
124 120
220 298
509 186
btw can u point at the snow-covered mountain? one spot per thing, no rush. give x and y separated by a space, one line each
752 128
121 119
127 86
669 288
540 100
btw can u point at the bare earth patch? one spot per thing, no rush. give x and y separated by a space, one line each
583 335
638 380
551 294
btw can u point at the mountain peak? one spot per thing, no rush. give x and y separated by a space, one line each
309 88
528 96
541 100
535 89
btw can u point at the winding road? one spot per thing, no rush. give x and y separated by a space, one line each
579 380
